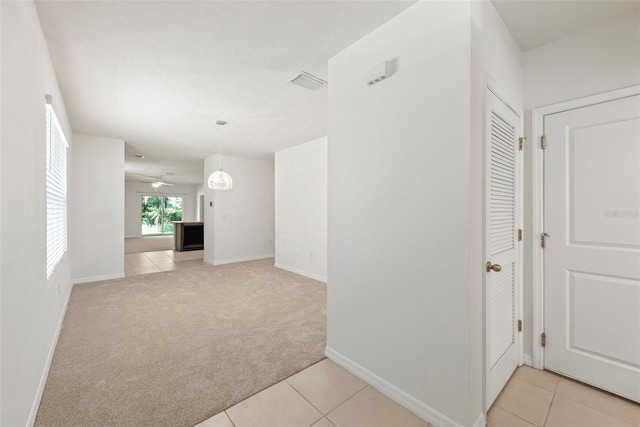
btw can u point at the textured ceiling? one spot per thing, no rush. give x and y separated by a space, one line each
159 74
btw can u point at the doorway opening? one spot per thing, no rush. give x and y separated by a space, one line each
158 212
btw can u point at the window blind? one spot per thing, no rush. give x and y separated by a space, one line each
56 163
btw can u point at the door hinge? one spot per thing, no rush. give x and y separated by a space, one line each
543 236
519 325
543 340
519 234
521 142
543 142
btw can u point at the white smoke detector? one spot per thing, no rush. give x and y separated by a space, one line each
379 73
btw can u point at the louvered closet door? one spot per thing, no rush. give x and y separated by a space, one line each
502 199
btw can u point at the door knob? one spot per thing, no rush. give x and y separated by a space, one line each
495 267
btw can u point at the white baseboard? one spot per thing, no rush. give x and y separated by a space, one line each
301 272
98 278
134 236
45 373
419 408
527 359
481 421
231 261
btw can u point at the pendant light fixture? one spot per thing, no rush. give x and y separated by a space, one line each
220 180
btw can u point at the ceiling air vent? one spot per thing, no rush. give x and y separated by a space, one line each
307 81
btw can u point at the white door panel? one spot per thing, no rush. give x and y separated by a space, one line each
592 257
600 195
590 334
502 204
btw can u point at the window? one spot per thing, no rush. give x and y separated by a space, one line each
56 158
158 212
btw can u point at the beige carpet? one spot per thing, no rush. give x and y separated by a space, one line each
175 348
133 245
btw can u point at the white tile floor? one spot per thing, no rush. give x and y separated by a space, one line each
155 262
325 395
540 398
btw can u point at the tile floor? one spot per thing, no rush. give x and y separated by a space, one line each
325 395
155 262
540 398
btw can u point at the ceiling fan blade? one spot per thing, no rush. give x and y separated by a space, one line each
139 177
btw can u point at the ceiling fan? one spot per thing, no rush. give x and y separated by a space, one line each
157 184
149 179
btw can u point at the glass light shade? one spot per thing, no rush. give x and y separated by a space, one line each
220 180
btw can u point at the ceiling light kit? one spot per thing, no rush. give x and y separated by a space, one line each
220 180
157 184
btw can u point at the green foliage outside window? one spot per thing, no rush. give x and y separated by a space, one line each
158 212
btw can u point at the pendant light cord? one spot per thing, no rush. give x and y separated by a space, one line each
220 145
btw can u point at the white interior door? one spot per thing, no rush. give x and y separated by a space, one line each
502 245
592 257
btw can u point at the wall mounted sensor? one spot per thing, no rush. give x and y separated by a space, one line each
380 72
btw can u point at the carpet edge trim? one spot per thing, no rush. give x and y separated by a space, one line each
301 272
263 389
45 372
399 396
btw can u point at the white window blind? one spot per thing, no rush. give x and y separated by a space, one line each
56 159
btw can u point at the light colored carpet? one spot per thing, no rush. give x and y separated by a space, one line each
133 245
175 348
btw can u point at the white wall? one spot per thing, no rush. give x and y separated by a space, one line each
32 306
199 193
602 58
96 209
134 191
599 59
399 211
301 209
1 36
406 189
240 224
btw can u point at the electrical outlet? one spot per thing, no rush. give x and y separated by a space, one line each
310 255
270 241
